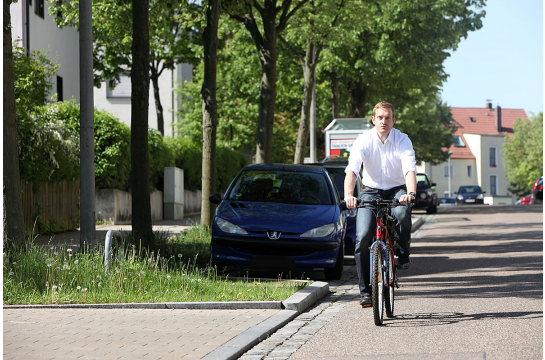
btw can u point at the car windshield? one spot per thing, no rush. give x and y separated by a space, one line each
422 182
281 186
470 190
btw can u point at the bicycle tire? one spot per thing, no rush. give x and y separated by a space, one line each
390 288
377 285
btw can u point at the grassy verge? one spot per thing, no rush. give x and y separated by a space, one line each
174 271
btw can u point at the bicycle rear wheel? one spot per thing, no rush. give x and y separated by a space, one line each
377 284
390 284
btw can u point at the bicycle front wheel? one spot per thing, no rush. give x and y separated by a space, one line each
390 284
377 284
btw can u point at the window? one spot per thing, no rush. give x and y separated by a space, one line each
492 157
60 96
121 90
446 172
469 171
39 9
493 185
458 142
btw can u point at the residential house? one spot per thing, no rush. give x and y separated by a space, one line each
36 30
477 153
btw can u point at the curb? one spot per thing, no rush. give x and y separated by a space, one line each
294 305
417 223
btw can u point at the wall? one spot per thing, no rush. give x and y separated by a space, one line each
115 206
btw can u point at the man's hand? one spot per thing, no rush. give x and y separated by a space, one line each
406 198
351 202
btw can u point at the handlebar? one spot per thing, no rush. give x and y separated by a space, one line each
361 203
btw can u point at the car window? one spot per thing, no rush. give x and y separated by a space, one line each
338 175
470 190
281 186
422 181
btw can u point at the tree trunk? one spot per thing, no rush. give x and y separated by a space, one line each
209 110
309 78
14 231
141 208
158 105
267 98
334 93
359 94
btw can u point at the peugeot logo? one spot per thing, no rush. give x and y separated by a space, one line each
273 234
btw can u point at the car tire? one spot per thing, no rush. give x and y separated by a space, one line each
336 272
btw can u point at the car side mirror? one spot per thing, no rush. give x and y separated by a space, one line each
484 192
433 184
215 198
455 193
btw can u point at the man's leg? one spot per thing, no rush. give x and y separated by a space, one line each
404 225
365 234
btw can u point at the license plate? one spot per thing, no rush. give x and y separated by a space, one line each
470 200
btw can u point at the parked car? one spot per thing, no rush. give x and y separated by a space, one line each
525 200
470 194
279 217
537 192
426 197
446 201
335 167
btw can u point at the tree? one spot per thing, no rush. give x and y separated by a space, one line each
141 207
265 43
14 232
171 36
209 108
523 152
316 22
397 52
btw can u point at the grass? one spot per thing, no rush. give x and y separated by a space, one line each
176 270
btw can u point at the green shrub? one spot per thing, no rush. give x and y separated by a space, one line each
112 145
228 164
188 156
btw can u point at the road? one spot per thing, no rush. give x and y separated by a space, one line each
474 291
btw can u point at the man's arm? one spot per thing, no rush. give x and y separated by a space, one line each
349 183
410 182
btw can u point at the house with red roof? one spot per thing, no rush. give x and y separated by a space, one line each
477 153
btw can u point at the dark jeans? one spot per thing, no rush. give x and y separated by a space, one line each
366 230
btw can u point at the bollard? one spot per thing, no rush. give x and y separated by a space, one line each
108 247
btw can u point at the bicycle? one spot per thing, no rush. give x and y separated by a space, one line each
382 261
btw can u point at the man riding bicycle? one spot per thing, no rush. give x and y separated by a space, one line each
389 171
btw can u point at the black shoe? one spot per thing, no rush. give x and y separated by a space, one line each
404 263
365 300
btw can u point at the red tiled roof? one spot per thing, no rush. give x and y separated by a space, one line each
484 124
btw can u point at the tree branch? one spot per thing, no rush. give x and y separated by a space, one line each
292 50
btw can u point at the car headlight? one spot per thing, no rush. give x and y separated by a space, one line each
320 231
480 196
460 197
230 228
423 195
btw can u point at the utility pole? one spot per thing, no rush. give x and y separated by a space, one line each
87 127
313 119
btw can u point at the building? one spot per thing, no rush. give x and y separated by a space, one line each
477 153
36 30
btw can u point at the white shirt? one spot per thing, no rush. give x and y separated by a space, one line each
384 165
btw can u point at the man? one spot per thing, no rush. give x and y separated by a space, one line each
389 171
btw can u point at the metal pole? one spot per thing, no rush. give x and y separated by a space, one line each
449 175
87 130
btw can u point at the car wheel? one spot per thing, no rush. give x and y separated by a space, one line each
336 272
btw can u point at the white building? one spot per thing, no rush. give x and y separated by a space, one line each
477 153
37 31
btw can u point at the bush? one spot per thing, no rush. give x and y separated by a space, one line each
112 145
48 150
187 156
228 164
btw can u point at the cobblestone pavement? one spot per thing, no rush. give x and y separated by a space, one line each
474 291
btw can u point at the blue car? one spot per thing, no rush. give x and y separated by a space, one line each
279 217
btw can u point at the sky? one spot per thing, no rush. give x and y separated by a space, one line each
502 61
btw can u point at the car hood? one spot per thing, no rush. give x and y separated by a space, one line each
261 216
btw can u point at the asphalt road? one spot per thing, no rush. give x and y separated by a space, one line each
474 291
